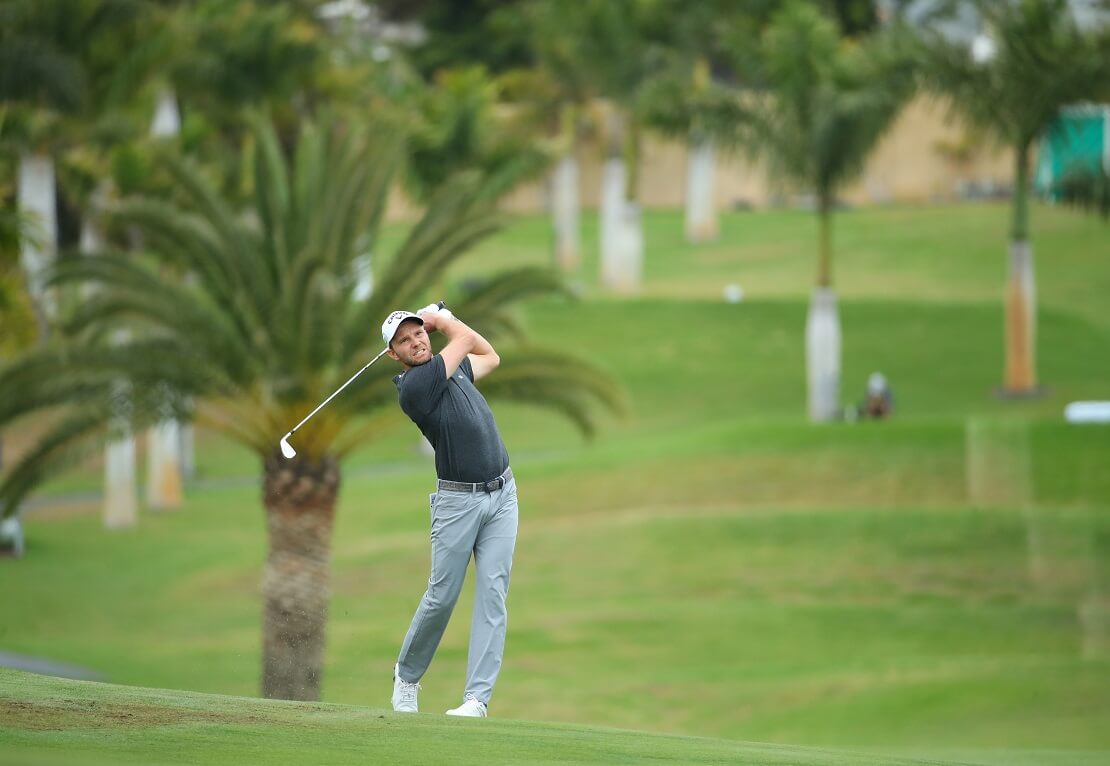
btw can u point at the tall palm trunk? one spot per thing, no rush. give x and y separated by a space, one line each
164 440
1021 302
121 499
622 240
163 465
299 496
701 210
823 328
564 195
37 196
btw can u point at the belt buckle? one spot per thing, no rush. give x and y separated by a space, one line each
490 486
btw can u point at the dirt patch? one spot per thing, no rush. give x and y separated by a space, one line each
60 715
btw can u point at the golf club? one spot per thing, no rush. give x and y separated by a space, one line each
286 447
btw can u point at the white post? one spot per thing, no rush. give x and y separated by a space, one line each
701 210
823 355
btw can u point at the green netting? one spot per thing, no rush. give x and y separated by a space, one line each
1076 137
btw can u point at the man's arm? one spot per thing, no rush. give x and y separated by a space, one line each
462 341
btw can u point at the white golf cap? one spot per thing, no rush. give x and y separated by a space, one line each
393 321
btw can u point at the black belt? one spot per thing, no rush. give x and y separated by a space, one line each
481 486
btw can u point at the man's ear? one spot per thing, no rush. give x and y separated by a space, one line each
392 354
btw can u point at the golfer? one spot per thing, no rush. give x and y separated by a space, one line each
474 507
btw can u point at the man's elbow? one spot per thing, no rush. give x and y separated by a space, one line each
494 360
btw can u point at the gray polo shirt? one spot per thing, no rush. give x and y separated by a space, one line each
455 418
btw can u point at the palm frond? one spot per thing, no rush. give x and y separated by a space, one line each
1042 61
162 371
127 289
35 71
255 278
452 223
272 193
76 436
486 304
556 380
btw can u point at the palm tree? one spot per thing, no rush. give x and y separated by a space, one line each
65 68
555 92
618 44
1032 60
458 127
829 102
70 75
681 99
271 326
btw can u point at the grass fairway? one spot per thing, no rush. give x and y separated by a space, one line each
713 565
49 721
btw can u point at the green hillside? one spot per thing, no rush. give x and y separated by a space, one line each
712 565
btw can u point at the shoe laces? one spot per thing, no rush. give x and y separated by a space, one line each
471 698
408 690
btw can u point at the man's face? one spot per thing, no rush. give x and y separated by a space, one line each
410 345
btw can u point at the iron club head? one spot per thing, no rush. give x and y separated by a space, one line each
287 448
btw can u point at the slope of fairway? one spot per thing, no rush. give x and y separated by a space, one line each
712 564
51 721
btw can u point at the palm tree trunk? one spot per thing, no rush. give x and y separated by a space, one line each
164 442
701 210
166 122
623 240
1021 304
823 330
121 498
299 496
163 475
37 196
612 202
188 449
564 207
824 245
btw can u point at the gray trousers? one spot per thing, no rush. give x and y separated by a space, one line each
464 523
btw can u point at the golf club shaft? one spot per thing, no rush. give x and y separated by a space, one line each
321 406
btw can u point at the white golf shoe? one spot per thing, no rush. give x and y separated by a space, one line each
404 693
471 708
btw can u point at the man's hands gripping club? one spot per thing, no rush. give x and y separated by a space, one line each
462 341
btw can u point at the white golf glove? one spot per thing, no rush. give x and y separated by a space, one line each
433 308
